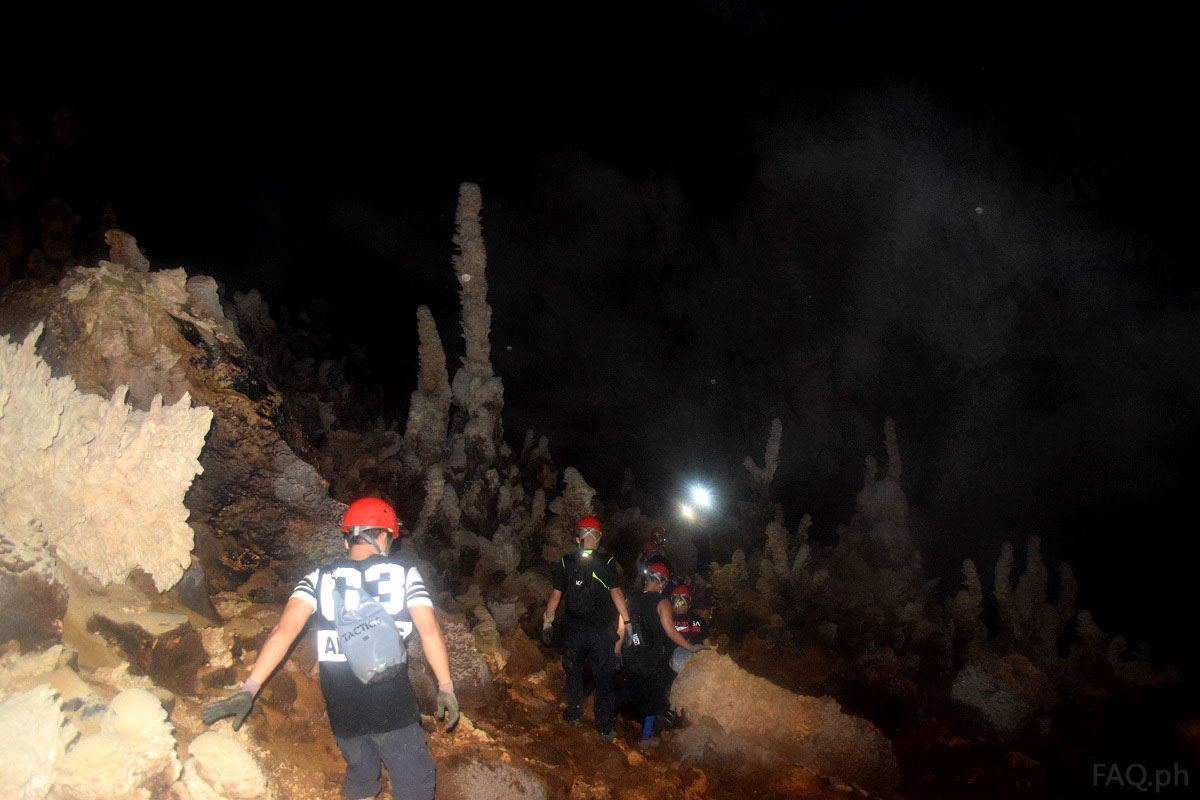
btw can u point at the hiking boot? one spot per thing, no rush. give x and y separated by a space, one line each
646 746
608 735
574 722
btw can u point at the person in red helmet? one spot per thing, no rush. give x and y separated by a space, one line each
587 584
690 625
372 722
654 552
648 638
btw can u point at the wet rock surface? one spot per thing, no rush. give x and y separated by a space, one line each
164 647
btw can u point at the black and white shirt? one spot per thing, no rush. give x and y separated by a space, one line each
355 708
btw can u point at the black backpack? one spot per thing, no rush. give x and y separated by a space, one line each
642 641
584 589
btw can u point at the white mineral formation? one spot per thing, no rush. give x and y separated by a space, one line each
99 482
33 738
219 768
132 756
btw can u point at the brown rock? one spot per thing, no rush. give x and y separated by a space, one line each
164 647
123 249
33 598
473 683
760 722
192 592
524 657
280 691
472 776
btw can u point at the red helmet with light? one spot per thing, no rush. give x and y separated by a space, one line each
370 512
589 524
658 572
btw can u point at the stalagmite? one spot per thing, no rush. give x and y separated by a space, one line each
124 250
429 407
476 390
761 477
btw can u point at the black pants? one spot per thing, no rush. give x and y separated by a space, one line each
645 686
583 646
402 751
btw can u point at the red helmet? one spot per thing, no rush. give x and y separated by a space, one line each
658 571
659 534
588 523
683 590
681 598
370 512
649 545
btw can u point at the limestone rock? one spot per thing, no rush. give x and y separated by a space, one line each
473 683
34 736
163 646
22 672
192 592
1008 691
219 768
100 483
32 593
761 722
132 756
471 776
123 249
155 333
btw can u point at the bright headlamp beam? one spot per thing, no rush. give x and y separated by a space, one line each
701 496
687 512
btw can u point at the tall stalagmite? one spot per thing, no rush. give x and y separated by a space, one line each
429 408
477 391
761 477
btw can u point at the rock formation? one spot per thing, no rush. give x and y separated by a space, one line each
764 723
112 326
100 483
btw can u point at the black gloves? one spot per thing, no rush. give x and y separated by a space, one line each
447 704
236 706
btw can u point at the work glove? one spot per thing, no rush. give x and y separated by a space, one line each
236 706
547 628
447 706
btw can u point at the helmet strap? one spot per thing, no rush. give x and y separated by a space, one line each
363 534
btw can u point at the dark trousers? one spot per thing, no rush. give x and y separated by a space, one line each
645 686
402 751
583 646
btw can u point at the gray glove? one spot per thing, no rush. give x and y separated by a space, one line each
236 706
547 629
447 705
